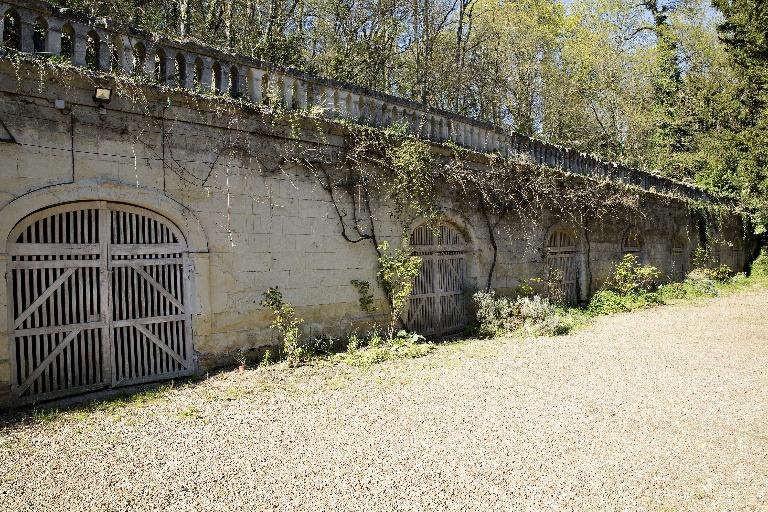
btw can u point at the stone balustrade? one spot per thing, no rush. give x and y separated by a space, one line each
37 27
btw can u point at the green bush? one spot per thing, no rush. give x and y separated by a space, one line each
760 265
629 276
501 316
608 302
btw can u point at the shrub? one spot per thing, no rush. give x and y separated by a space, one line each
701 281
609 302
760 265
629 276
499 316
494 314
284 321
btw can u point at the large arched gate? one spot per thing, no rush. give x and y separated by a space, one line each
437 306
97 297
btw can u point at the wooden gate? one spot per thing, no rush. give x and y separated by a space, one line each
97 298
563 264
437 306
678 260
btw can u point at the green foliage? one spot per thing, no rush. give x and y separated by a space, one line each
411 180
397 272
365 297
760 265
629 276
608 302
364 351
285 322
502 316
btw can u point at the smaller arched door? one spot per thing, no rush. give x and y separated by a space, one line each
97 297
632 243
437 306
678 259
563 264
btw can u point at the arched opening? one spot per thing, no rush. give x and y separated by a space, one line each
437 306
180 74
679 262
81 320
12 30
68 43
92 50
216 75
197 81
116 54
160 71
139 57
563 265
632 243
40 34
234 82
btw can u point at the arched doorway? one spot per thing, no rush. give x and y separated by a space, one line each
678 259
97 297
437 306
563 263
632 243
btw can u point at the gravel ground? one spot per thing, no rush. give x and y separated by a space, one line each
665 409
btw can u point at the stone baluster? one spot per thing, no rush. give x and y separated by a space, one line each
288 91
206 77
189 71
444 130
26 30
125 55
224 75
329 101
52 38
255 81
78 44
355 110
104 51
3 8
301 94
168 64
343 103
149 59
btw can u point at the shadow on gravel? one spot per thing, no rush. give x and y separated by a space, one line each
108 400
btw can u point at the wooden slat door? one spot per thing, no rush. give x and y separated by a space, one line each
437 306
563 264
149 284
97 297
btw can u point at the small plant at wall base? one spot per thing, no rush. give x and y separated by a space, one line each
397 272
284 321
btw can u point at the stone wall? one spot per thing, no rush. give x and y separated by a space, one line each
252 219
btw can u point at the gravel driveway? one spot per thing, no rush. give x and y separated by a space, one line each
665 409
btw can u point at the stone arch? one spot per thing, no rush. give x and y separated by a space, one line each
104 190
92 50
160 66
40 34
197 80
632 242
68 42
216 78
139 58
438 303
117 316
180 70
565 263
12 30
116 54
234 87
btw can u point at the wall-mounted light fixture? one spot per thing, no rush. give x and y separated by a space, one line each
102 96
